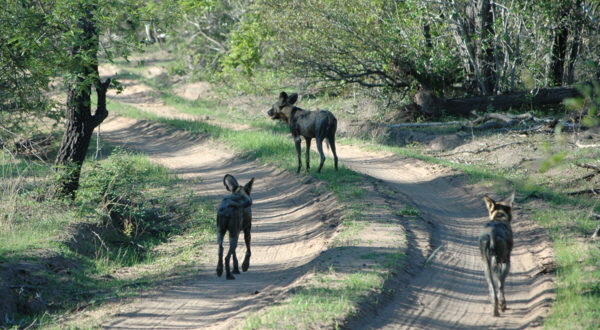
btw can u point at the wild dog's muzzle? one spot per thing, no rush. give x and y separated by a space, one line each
274 115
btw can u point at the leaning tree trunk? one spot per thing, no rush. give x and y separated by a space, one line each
80 122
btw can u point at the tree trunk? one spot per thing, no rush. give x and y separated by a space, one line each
487 48
559 52
465 106
80 122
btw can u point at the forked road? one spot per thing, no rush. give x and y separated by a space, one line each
449 293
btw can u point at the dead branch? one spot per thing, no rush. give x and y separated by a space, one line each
588 176
594 191
505 117
595 234
579 145
483 149
589 166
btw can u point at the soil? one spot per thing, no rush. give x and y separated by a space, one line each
296 223
440 285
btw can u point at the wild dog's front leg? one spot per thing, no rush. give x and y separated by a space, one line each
299 152
220 262
308 141
247 238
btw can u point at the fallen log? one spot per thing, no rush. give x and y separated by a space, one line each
425 124
537 97
579 145
508 119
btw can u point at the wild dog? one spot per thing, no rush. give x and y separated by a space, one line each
234 215
320 124
495 246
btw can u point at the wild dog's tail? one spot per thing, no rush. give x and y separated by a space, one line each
331 124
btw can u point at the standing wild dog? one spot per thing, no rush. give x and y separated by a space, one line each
495 245
234 215
320 124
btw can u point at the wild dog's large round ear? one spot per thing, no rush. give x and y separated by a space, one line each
248 187
230 182
510 200
489 203
292 98
283 96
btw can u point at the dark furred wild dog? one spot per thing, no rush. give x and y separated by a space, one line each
495 245
234 215
320 124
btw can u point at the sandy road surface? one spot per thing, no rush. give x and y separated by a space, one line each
451 292
291 230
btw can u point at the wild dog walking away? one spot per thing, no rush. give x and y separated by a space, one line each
495 245
234 215
320 124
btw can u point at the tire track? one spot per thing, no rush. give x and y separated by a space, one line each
451 292
287 235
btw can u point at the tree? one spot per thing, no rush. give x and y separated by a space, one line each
199 30
83 38
448 49
27 54
80 122
59 40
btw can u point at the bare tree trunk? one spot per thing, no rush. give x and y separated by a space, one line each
567 41
80 122
488 68
559 51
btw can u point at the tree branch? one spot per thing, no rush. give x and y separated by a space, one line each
101 111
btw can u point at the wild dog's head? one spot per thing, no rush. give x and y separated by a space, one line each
500 211
276 112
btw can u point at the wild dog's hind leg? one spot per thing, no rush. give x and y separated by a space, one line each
220 235
492 288
331 140
236 269
297 142
308 141
320 148
504 269
247 238
233 238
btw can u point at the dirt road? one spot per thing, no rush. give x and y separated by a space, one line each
290 230
293 227
450 292
295 220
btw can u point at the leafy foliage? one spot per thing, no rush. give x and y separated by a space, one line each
117 185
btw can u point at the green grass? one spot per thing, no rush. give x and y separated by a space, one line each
577 287
32 230
329 298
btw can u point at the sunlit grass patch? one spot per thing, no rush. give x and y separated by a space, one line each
577 287
329 298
